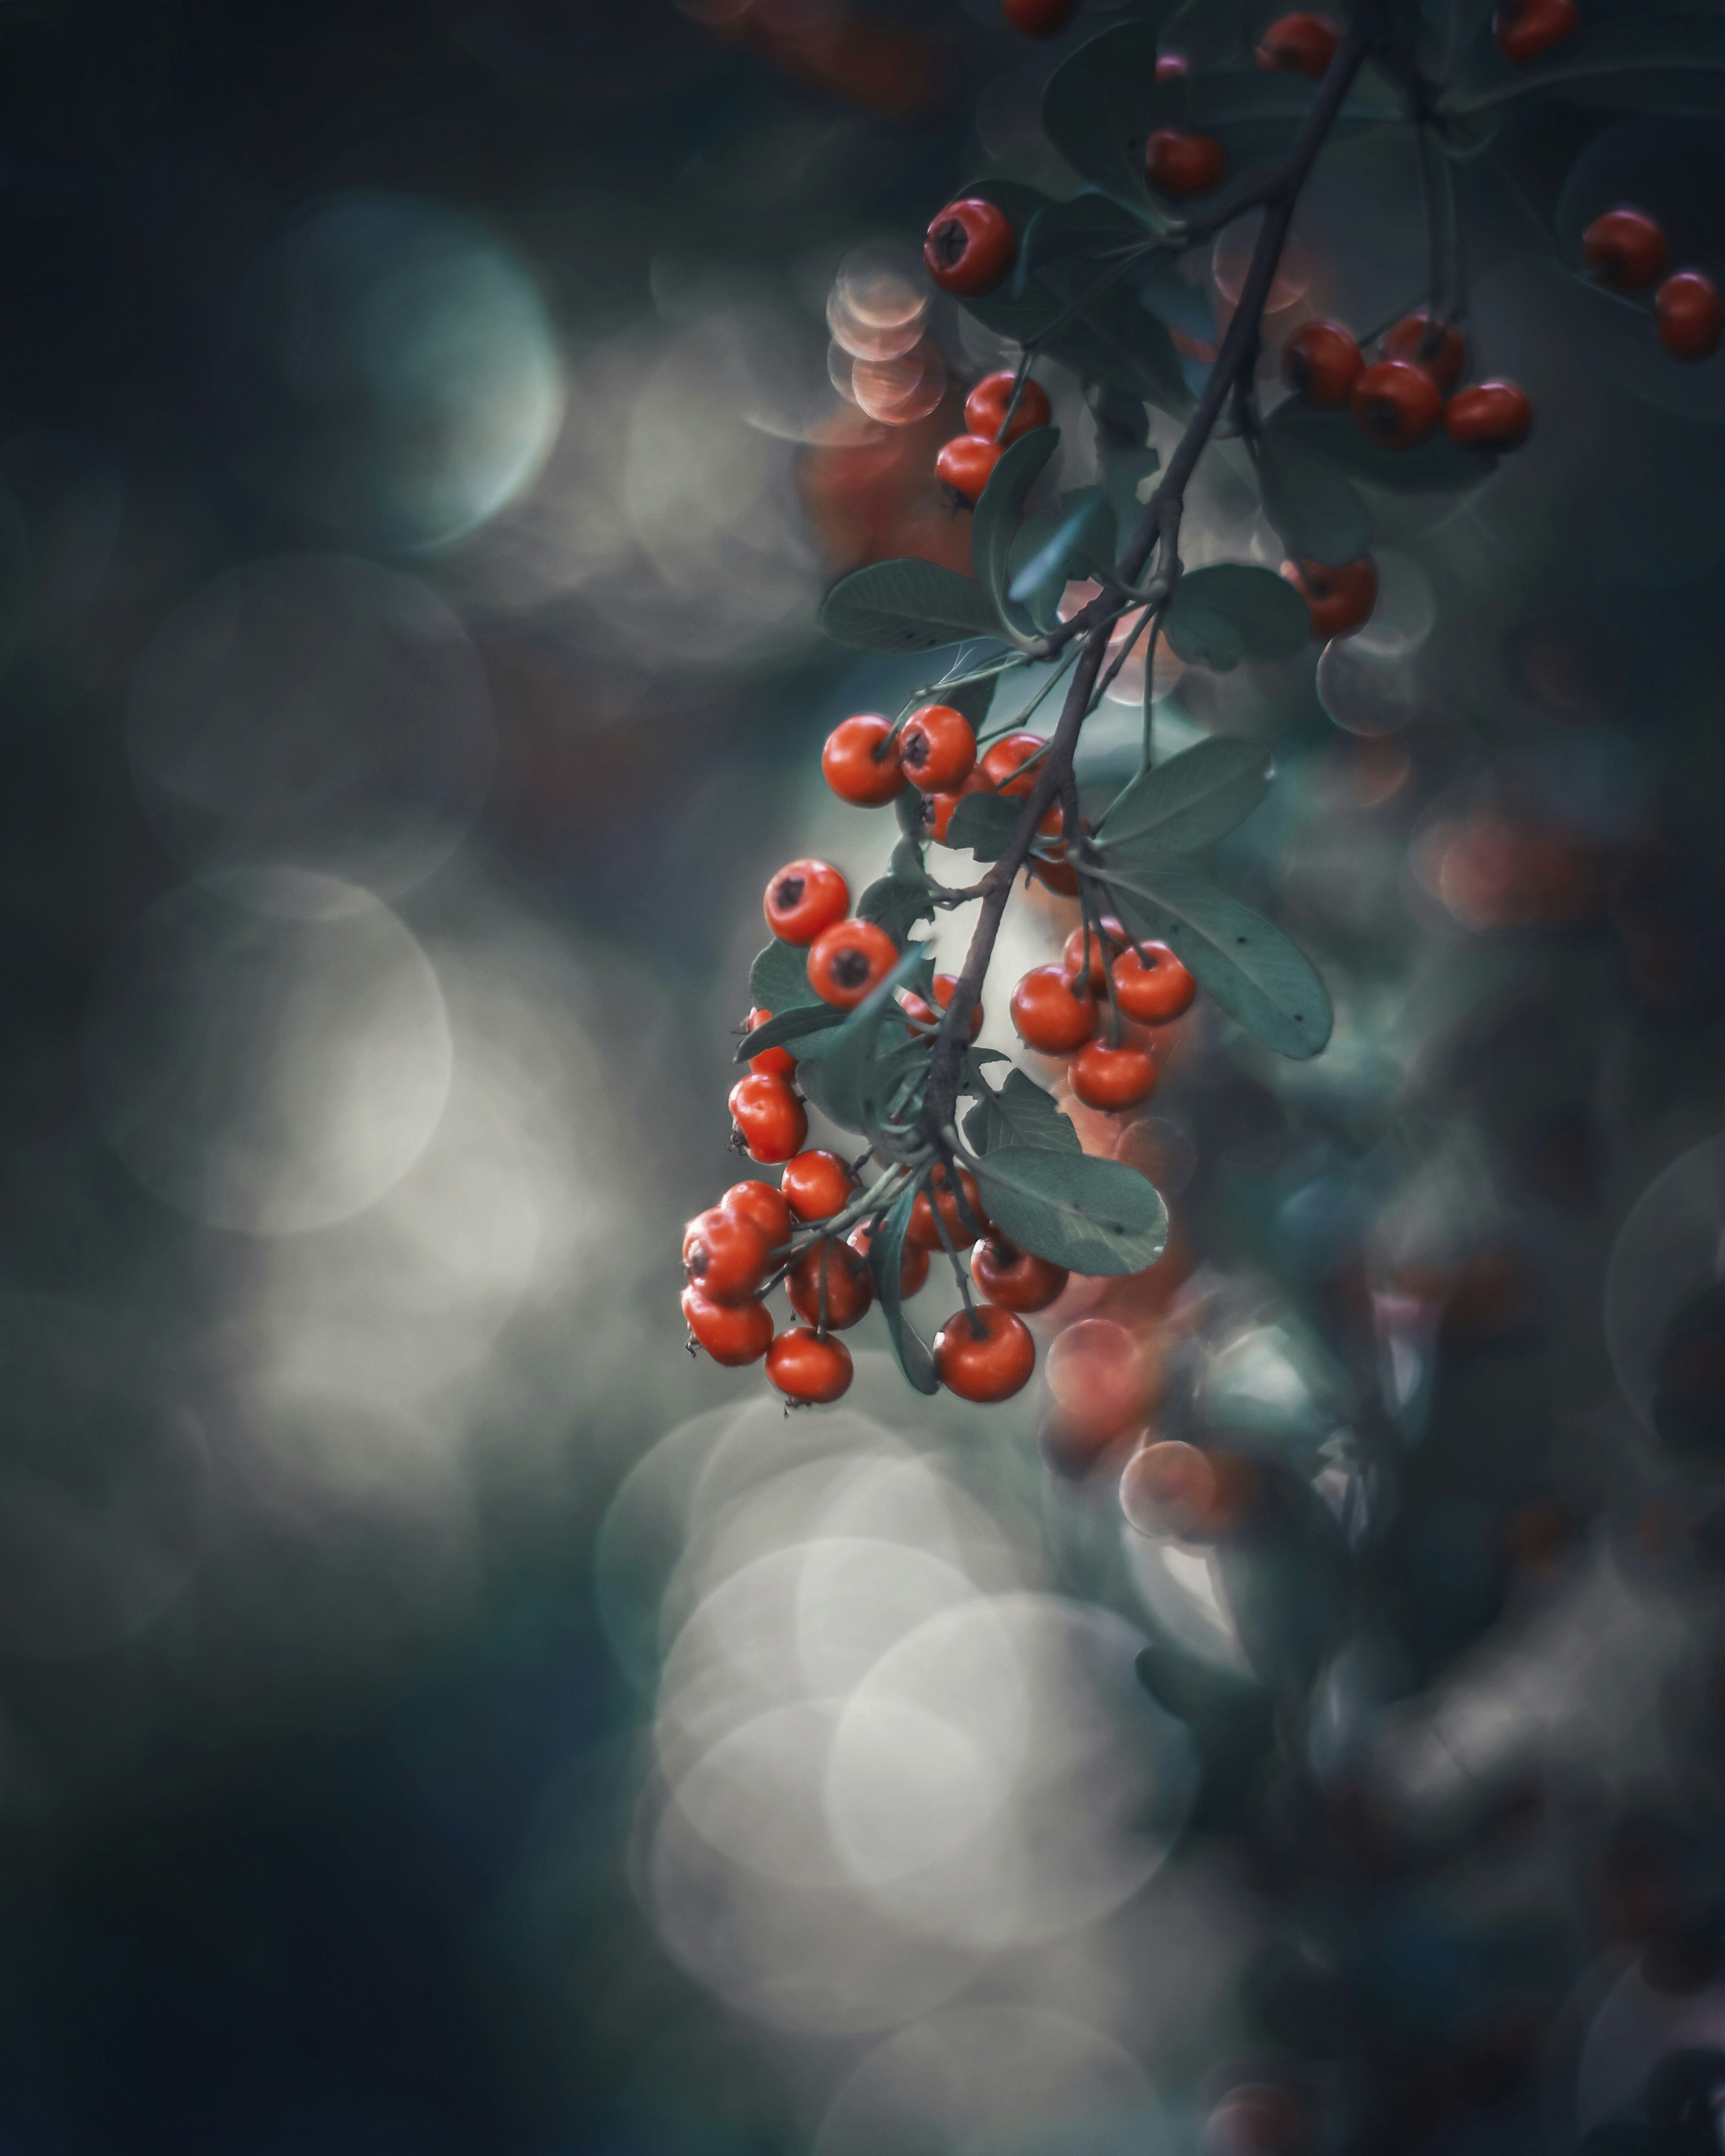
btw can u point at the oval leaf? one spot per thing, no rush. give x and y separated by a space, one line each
1003 499
1020 1114
796 1024
1314 510
1188 802
887 1248
778 979
1236 606
907 606
1093 1216
855 1081
982 824
1433 466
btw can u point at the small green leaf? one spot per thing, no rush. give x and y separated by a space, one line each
970 699
1093 1216
1083 540
854 1083
1246 963
997 511
982 824
1314 511
1092 109
1234 611
906 606
898 900
887 1248
1021 1113
1188 802
778 979
796 1024
1090 224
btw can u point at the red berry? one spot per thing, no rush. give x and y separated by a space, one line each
1008 763
849 961
803 898
808 1369
1525 28
1625 248
732 1334
1687 307
969 247
778 1062
921 1014
1180 164
1169 1489
1170 67
985 407
1492 415
773 1121
966 462
1112 938
1017 1280
817 1184
764 1205
961 1234
1112 1078
912 1264
1301 43
937 808
1051 1013
1151 985
1339 600
1039 18
1395 403
1319 362
1447 357
724 1255
861 762
850 1284
936 748
986 1359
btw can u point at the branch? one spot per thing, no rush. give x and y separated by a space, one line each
1235 362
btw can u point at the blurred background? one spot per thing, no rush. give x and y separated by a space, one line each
435 1714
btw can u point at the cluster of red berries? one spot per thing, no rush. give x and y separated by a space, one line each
1058 1010
965 462
1399 399
1626 249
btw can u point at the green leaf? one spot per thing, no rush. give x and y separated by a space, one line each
793 1024
778 979
1093 1216
900 899
887 1248
1659 60
1246 963
854 1083
1116 341
982 824
1083 537
1088 225
906 606
1434 466
997 511
1021 1113
1314 511
1233 611
970 699
1188 802
1092 109
1017 315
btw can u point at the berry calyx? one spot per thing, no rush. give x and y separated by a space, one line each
1525 28
725 1255
969 247
1625 248
850 960
777 1062
1301 43
1409 339
936 748
764 1204
1338 600
1110 1078
803 898
731 1334
912 1264
1038 18
1017 1280
860 762
772 1121
850 1285
810 1370
1395 403
922 1015
965 463
985 407
1106 939
1319 363
1052 1014
1687 308
1151 985
1009 763
937 808
985 1358
962 1229
817 1184
1178 162
1490 415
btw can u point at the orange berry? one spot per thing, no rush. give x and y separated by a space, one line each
1447 359
1152 987
966 463
850 1284
1395 403
1625 248
725 1255
1013 763
765 1205
808 1369
969 247
849 961
861 762
922 1015
731 1334
1319 363
1112 938
985 1359
1340 600
776 1062
1017 1280
1110 1078
817 1184
1050 1015
936 748
803 898
912 1265
1492 415
961 1233
773 1121
1179 162
985 407
1687 308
